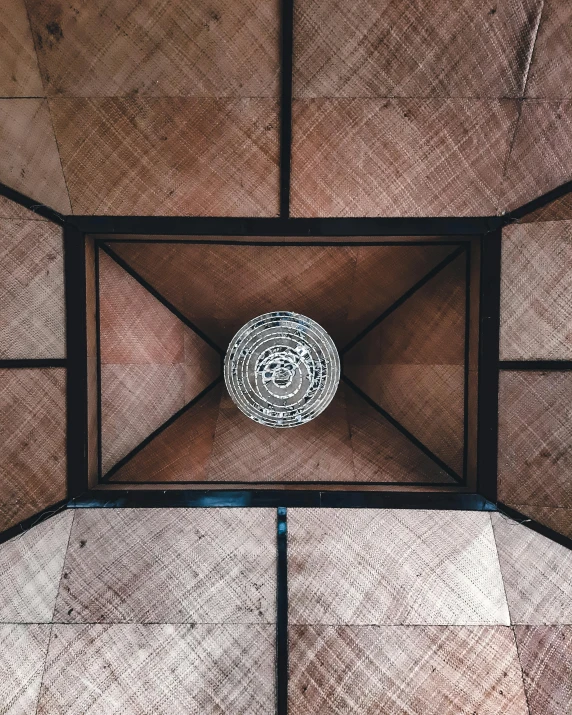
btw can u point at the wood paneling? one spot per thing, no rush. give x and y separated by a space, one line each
399 157
536 280
535 439
182 451
19 75
152 364
29 158
546 657
32 310
404 49
550 75
541 154
412 363
207 48
434 670
169 156
33 429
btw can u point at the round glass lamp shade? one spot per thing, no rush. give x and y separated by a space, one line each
282 369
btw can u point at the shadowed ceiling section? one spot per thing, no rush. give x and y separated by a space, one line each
152 364
413 363
218 288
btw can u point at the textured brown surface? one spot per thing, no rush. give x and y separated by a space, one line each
19 75
152 364
394 670
22 654
405 49
157 668
135 401
399 157
550 75
558 210
246 451
30 570
553 517
219 288
541 154
10 209
169 156
536 573
33 438
411 364
535 439
393 567
29 159
32 306
170 566
546 658
181 452
536 281
204 48
381 453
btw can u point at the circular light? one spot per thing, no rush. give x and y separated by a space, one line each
282 369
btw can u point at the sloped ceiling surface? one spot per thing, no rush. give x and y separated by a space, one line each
411 109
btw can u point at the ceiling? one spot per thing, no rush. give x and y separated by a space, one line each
399 108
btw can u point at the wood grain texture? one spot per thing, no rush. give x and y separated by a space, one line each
159 668
438 670
182 451
546 657
381 453
411 364
30 571
152 363
536 280
535 439
536 574
346 567
399 157
245 451
139 47
169 156
29 158
550 75
541 154
219 565
19 74
33 437
23 651
32 303
392 48
219 288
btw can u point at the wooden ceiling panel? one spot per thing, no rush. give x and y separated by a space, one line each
412 363
392 48
204 48
550 75
382 454
219 288
535 439
399 157
541 154
151 362
536 283
245 451
169 156
29 158
32 305
33 457
19 74
180 453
